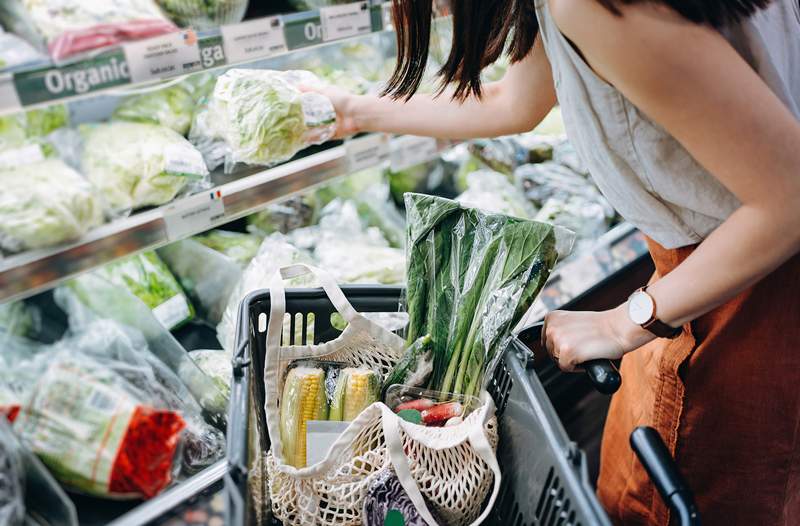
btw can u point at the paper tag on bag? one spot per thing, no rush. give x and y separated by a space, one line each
366 152
344 21
193 214
184 161
253 39
163 56
320 436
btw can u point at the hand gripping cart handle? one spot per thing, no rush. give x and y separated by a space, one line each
645 442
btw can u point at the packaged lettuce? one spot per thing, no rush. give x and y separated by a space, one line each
261 117
24 135
204 14
238 246
492 192
150 280
171 107
14 51
44 204
136 165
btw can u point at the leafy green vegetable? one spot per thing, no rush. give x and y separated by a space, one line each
470 276
172 107
32 127
44 204
204 14
492 192
261 117
136 164
285 216
414 368
149 279
240 247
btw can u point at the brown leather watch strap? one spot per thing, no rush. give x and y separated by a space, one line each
658 327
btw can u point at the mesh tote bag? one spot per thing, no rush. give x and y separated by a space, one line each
446 472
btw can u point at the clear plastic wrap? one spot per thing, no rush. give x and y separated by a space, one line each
12 478
25 137
429 408
14 52
136 165
216 365
204 14
471 275
70 27
18 318
295 212
493 192
89 298
240 247
542 181
150 280
172 107
261 117
44 204
275 252
208 285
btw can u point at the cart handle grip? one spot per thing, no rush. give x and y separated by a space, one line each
657 461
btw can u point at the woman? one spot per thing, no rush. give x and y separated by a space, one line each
686 113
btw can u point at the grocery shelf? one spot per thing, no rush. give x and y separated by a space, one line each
24 274
109 69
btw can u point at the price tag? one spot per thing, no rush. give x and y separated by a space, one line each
193 214
164 56
410 150
254 39
8 93
365 152
344 21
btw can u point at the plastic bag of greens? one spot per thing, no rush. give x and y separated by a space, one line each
89 298
275 252
69 27
150 280
18 318
542 181
238 246
14 52
588 216
25 137
261 117
285 216
44 204
103 406
204 14
209 285
136 165
12 478
492 192
172 107
471 276
217 365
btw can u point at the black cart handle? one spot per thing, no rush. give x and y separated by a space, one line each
654 456
603 374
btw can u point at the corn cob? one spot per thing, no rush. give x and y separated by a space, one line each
303 400
355 390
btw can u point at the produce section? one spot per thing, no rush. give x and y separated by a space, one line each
143 205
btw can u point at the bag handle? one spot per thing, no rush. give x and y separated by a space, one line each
478 441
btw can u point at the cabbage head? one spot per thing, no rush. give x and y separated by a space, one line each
136 165
172 107
44 204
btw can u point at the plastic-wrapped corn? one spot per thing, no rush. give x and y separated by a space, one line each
303 400
356 389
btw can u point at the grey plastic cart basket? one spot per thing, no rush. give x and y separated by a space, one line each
545 480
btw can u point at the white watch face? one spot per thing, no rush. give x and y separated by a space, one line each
640 308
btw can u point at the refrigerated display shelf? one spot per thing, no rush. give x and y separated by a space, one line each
43 83
25 274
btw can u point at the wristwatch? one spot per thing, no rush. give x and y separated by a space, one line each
642 312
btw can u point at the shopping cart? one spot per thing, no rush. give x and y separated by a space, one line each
545 479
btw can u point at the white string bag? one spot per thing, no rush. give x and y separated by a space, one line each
453 469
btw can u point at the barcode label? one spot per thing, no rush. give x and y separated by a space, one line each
253 39
100 401
366 152
344 21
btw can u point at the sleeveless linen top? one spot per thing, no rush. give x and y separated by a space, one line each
643 171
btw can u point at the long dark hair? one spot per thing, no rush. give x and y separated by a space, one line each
483 29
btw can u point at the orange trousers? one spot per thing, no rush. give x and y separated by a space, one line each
725 396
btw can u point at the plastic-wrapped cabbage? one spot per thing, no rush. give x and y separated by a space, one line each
69 27
542 181
260 117
204 14
172 107
289 214
136 165
24 135
238 246
585 215
149 279
217 366
44 204
492 192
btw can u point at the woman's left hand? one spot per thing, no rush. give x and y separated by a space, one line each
573 338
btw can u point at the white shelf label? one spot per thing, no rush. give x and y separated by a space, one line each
164 56
254 39
410 150
8 94
193 214
344 21
366 152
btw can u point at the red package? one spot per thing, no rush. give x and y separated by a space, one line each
102 35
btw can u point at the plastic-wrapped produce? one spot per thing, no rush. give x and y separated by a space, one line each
217 366
275 252
136 165
204 14
12 478
150 280
69 27
25 136
492 192
542 181
238 246
103 406
44 204
304 5
261 117
209 285
172 107
285 216
18 318
14 51
385 499
587 216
